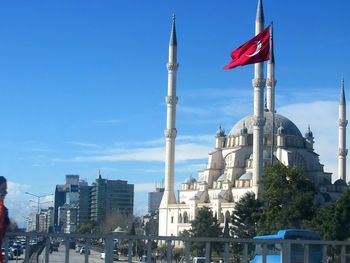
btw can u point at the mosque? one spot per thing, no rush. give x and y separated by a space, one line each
235 166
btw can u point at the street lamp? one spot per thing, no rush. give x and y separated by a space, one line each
38 198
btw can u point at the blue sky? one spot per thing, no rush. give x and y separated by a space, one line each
83 85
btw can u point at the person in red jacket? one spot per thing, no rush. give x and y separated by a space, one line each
4 218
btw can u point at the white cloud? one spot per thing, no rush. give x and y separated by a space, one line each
144 187
184 152
84 144
15 189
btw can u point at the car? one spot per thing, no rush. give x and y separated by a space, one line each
198 260
115 255
144 259
77 248
84 250
16 249
10 254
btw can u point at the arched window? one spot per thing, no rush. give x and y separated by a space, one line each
185 217
227 215
180 218
221 220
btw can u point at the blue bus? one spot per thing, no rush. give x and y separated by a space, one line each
274 250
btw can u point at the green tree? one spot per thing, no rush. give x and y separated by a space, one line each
245 216
333 220
86 228
205 225
287 199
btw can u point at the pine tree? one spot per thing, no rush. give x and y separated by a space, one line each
204 225
245 216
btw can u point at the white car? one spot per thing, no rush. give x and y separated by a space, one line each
115 255
84 250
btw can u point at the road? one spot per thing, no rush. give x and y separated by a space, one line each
75 257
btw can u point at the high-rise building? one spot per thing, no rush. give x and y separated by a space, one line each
110 196
32 222
83 215
72 189
67 196
45 219
60 200
71 219
154 199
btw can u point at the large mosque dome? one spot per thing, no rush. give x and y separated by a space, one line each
289 128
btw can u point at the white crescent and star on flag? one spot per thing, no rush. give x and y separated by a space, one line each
257 50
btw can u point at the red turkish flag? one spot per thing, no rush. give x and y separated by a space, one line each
255 50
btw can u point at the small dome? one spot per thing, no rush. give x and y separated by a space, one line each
244 129
340 182
246 176
220 132
289 127
309 133
222 177
190 180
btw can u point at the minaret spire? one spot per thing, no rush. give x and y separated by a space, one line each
259 120
170 131
260 14
173 40
342 123
271 81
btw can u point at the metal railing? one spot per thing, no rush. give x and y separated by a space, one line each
180 249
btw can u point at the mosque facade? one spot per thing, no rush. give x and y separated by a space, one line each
235 166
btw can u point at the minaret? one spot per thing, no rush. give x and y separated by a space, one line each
342 122
170 131
271 81
259 120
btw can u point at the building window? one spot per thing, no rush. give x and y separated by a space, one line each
185 217
172 219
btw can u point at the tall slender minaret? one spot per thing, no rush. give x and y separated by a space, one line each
271 81
342 122
259 120
170 131
270 91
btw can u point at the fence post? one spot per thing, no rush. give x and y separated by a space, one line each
130 250
306 253
27 253
285 251
324 253
66 255
149 250
207 252
342 254
86 254
264 253
245 253
168 251
187 255
226 252
47 250
109 249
